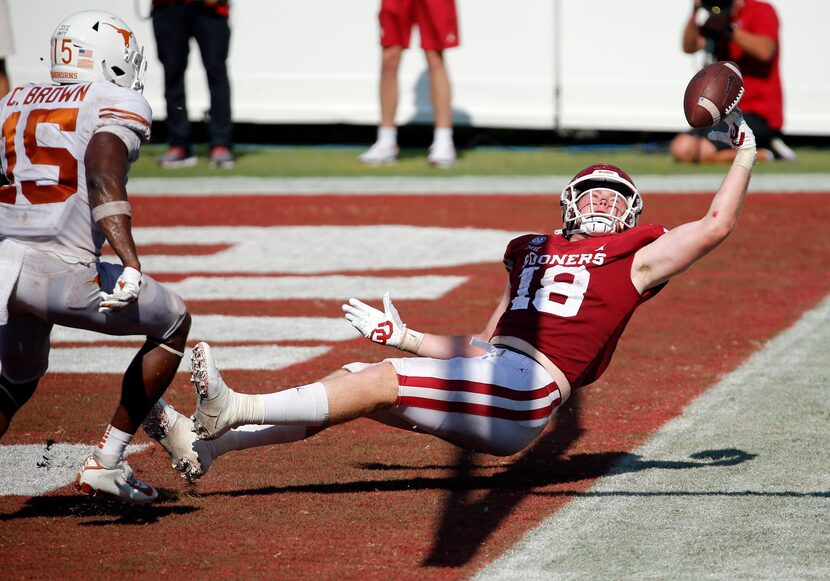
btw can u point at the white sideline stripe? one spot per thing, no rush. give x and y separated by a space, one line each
317 287
35 469
226 328
466 185
116 359
764 518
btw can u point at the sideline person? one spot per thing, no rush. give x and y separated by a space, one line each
175 22
68 149
437 23
747 32
6 46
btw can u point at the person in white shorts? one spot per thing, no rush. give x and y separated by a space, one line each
67 147
568 298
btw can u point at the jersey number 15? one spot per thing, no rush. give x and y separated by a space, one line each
38 154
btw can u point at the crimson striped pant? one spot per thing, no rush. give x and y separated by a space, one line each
498 403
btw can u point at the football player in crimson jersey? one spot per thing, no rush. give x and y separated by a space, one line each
565 305
66 150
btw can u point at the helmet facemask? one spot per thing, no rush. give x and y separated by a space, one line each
621 211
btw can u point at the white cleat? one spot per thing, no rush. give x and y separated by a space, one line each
218 407
190 456
118 482
442 154
380 153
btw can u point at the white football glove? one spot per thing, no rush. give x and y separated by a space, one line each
124 293
384 327
739 136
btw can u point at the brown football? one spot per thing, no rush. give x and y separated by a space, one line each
713 93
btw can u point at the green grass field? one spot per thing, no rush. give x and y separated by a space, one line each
322 161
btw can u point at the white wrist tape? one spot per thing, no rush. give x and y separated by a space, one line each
108 209
745 158
411 341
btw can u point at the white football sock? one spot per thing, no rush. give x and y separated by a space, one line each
307 406
442 135
111 447
388 135
245 437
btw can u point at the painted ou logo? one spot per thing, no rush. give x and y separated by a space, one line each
538 240
382 332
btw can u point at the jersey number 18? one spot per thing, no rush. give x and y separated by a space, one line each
573 291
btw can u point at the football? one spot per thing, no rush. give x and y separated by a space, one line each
713 93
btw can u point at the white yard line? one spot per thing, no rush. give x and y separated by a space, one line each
116 359
36 469
463 185
671 510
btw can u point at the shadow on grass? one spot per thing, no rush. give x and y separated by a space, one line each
100 511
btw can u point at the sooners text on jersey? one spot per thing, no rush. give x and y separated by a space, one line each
45 132
572 300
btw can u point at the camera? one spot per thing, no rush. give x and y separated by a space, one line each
714 20
717 7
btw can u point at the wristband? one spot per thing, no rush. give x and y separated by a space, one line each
745 158
411 341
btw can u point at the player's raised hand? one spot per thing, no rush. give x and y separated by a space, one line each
124 293
383 327
739 136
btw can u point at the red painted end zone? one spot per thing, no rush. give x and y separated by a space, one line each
366 501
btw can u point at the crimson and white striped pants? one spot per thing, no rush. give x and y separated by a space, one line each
498 403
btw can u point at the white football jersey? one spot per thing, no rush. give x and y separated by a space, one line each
45 132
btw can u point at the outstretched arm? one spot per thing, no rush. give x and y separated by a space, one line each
386 327
678 249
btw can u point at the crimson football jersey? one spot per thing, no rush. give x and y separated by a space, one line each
571 300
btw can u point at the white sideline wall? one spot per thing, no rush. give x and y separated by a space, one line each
543 64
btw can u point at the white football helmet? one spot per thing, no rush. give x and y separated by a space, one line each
94 45
592 221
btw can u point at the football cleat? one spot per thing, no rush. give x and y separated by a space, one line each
380 153
174 431
441 154
118 482
218 407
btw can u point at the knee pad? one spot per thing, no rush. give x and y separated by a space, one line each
14 395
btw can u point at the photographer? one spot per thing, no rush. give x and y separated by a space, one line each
747 32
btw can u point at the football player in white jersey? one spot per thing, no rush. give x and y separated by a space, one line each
67 147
